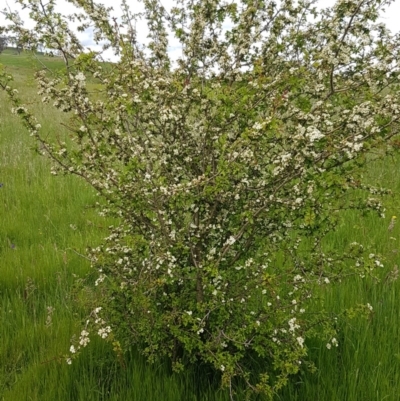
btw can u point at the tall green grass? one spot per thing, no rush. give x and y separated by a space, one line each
46 223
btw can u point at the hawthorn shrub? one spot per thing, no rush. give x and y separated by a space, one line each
227 168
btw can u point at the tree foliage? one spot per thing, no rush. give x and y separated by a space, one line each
227 168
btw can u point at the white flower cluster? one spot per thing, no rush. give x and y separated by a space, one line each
104 331
333 342
84 339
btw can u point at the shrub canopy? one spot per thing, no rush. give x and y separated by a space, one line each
227 167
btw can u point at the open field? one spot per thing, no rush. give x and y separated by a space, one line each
46 224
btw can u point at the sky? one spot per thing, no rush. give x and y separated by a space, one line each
391 18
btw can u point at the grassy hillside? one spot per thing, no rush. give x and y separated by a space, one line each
26 61
46 224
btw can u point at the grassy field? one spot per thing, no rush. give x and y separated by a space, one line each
46 224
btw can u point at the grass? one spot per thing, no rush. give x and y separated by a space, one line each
46 223
26 61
